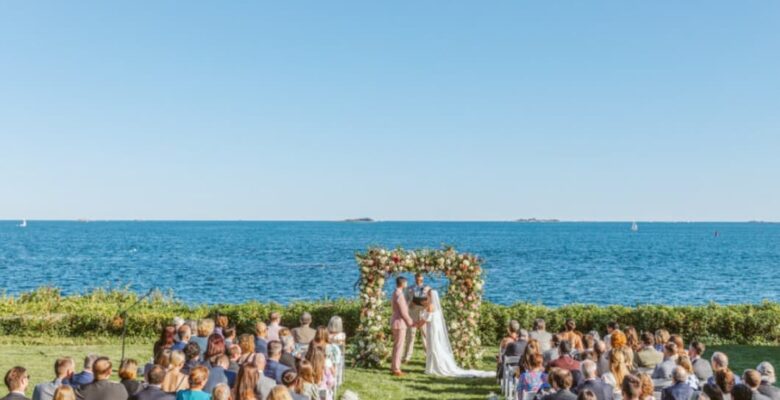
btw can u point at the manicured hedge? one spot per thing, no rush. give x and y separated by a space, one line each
46 312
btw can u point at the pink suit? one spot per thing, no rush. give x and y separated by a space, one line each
400 321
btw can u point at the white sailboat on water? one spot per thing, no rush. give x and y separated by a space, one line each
634 227
23 224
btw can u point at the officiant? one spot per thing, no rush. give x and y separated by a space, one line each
417 299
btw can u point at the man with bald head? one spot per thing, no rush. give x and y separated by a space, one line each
102 388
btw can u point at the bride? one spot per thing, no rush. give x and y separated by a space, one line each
439 359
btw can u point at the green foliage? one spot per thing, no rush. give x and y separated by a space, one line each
45 312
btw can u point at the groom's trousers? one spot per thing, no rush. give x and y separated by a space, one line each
411 333
399 337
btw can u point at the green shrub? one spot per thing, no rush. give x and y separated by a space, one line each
46 312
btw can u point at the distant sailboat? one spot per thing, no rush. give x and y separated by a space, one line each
23 224
634 227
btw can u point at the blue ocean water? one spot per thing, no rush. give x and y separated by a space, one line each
553 264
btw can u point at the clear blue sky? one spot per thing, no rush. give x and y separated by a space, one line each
423 110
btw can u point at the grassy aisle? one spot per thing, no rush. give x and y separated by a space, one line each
38 355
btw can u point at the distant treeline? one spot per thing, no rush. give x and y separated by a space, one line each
46 312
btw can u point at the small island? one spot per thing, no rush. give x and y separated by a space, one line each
537 220
359 220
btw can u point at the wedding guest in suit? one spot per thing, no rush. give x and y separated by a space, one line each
336 331
552 354
288 348
153 389
701 367
288 380
540 333
767 387
246 383
274 326
102 388
205 329
631 389
532 378
565 360
16 380
184 334
64 392
752 379
561 382
665 369
720 362
304 333
261 338
571 335
198 377
273 368
192 356
63 370
648 357
234 354
685 362
680 390
218 373
591 381
174 379
400 321
517 347
85 376
127 374
513 330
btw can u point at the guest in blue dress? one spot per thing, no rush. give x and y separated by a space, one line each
198 378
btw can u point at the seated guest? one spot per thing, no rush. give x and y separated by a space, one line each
647 386
611 327
197 380
618 370
588 343
264 383
234 354
602 357
571 335
591 381
648 357
631 389
701 367
743 392
713 392
86 376
333 352
274 326
752 379
245 387
685 362
619 342
305 383
720 362
221 323
273 368
324 373
552 353
247 344
174 379
205 329
586 394
127 374
16 380
64 392
153 389
680 390
661 338
185 334
540 333
222 392
218 372
166 340
261 338
767 387
163 359
288 348
561 382
192 357
678 340
230 336
632 339
288 380
215 348
63 370
279 392
565 360
304 333
515 348
512 334
102 388
725 380
533 378
336 331
665 369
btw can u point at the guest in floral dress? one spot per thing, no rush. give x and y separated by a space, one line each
532 379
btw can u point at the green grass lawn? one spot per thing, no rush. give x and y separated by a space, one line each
38 355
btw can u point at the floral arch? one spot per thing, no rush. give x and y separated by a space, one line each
461 303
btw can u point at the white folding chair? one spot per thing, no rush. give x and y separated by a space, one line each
508 381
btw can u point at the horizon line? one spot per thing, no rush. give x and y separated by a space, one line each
351 220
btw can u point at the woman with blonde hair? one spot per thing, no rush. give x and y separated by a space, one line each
279 392
647 387
64 392
685 362
305 383
221 392
336 331
246 382
617 370
174 379
661 337
261 338
247 344
127 373
198 377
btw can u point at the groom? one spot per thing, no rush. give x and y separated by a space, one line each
400 321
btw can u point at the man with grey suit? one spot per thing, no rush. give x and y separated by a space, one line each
591 381
665 369
63 370
701 367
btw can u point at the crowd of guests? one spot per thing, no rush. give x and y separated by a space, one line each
624 364
205 360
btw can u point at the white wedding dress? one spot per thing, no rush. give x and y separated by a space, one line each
439 359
